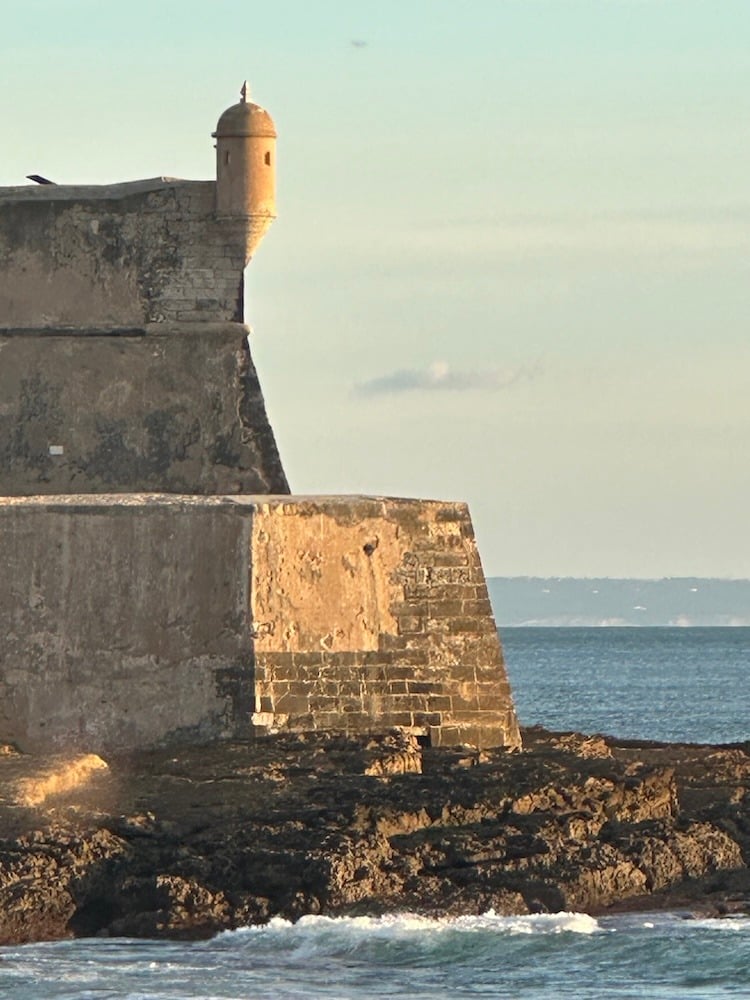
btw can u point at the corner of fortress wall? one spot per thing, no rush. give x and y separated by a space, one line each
160 584
374 611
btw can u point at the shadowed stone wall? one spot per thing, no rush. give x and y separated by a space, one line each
132 620
176 408
124 364
118 255
123 621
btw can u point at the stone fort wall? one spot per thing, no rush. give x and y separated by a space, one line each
120 255
158 583
369 610
124 364
136 620
164 408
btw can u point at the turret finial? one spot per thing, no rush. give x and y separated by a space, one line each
245 92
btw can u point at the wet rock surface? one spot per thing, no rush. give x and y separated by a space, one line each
188 841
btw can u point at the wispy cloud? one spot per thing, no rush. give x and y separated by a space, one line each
439 376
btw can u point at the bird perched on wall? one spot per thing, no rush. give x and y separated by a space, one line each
38 179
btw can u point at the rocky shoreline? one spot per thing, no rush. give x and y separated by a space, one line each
188 841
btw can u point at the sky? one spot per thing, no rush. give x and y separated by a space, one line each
512 255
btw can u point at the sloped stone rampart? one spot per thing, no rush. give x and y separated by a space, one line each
168 408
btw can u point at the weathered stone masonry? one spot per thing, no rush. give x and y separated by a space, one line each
133 620
123 621
375 609
157 582
118 256
164 408
124 365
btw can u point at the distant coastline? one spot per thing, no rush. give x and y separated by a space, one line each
548 602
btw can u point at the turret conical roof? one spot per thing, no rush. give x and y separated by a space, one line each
245 119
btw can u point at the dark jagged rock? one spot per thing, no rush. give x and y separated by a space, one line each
185 842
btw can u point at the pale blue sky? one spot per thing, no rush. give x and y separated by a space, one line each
512 257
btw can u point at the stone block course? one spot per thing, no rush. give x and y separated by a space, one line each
419 667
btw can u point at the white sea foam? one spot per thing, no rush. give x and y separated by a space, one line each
404 925
671 922
739 924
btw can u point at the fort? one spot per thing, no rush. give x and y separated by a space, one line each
222 703
160 583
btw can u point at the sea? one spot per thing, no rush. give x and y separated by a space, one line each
678 684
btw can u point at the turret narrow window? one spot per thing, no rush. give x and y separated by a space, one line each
268 159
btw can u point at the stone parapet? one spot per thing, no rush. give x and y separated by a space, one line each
119 255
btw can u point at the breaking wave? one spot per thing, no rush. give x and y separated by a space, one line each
540 957
410 926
